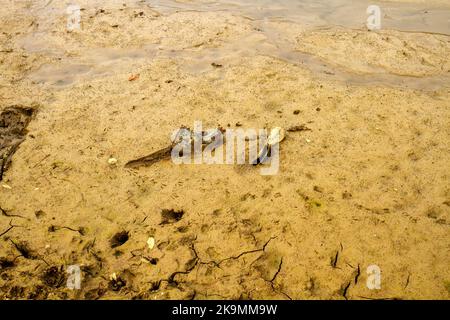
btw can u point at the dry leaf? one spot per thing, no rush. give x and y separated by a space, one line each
133 77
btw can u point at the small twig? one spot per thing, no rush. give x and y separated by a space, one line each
7 230
6 214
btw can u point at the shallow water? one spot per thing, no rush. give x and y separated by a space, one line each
310 14
99 62
347 13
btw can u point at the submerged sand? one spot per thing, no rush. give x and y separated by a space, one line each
368 184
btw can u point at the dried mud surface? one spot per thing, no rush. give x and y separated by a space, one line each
367 184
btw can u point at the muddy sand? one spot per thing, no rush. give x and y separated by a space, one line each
363 182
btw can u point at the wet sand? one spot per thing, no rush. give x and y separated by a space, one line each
368 184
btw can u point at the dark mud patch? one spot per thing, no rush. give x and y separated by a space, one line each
95 294
171 216
13 129
119 239
54 277
6 263
39 292
298 128
24 250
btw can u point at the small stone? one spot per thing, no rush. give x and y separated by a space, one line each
151 243
112 161
318 189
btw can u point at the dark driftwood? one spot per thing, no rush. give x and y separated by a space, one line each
151 158
157 156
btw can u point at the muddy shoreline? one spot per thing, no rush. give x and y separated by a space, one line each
366 184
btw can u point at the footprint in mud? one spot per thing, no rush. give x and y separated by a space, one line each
119 239
95 293
116 283
170 216
437 214
13 123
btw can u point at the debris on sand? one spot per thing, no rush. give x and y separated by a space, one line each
161 154
134 77
13 123
165 153
150 159
275 137
298 128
